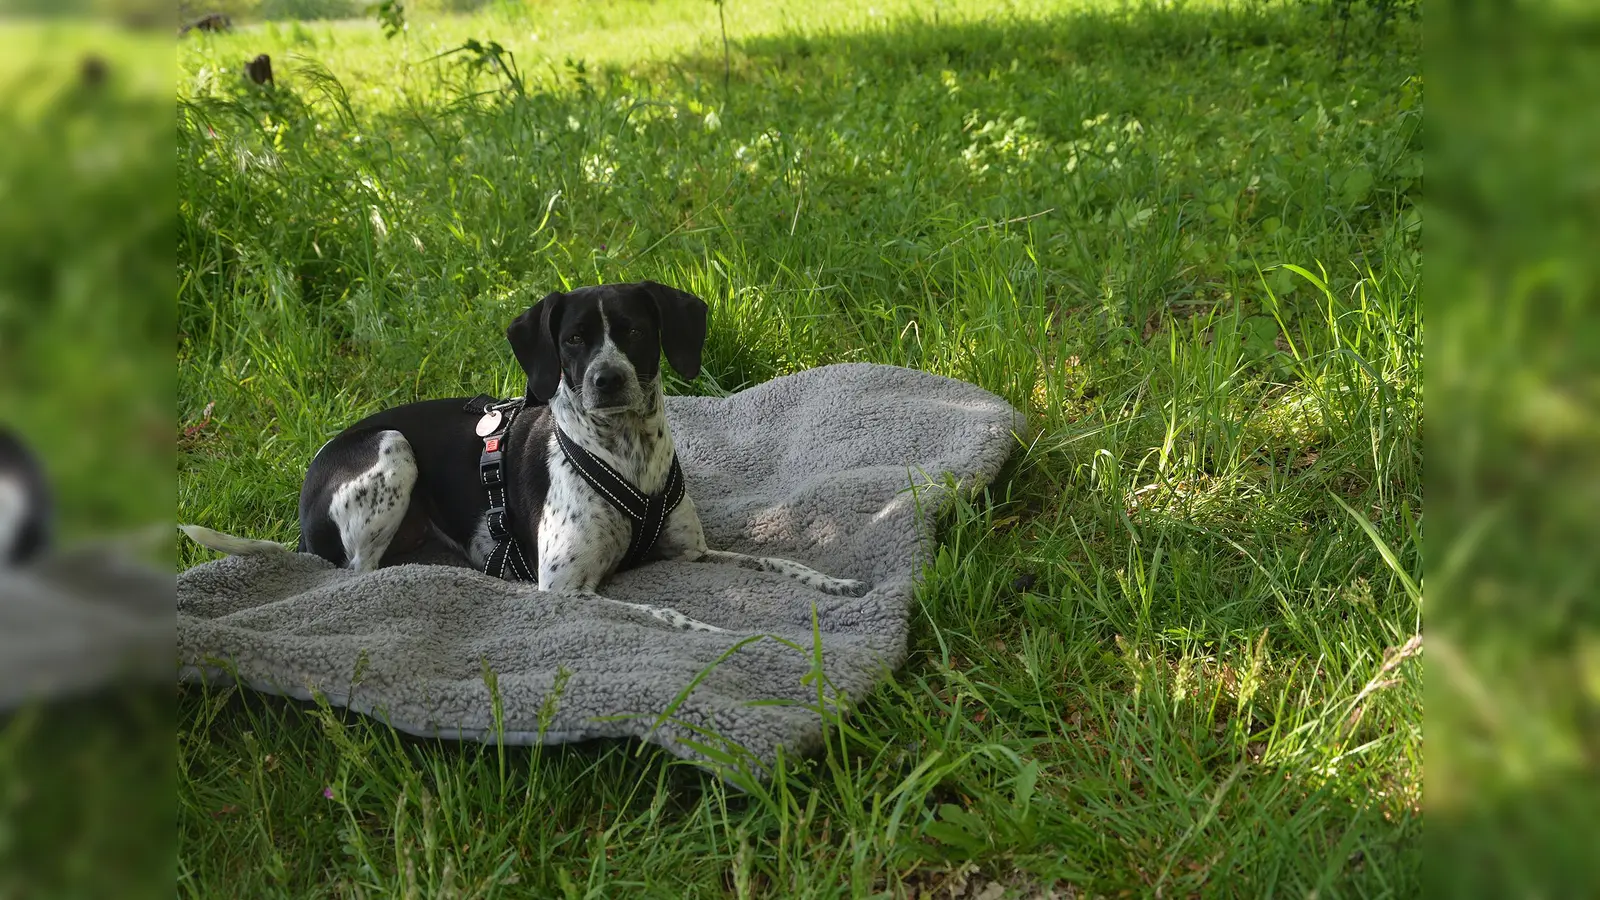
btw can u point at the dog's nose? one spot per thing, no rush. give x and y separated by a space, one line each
608 380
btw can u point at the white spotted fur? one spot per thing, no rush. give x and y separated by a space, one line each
582 538
368 508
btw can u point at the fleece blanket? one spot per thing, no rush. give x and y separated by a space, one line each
844 468
81 619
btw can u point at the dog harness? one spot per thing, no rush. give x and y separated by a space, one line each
647 512
494 423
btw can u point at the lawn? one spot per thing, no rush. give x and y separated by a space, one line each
1172 650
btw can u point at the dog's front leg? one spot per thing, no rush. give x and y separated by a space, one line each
566 564
685 539
839 587
571 579
569 563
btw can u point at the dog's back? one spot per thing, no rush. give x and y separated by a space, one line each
436 442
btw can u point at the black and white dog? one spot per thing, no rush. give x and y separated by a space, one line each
25 505
565 486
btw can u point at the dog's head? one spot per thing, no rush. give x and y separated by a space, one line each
605 343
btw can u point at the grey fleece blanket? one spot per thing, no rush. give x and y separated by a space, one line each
843 468
80 619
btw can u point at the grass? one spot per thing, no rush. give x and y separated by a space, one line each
1169 651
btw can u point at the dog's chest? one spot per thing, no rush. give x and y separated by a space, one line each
576 518
578 525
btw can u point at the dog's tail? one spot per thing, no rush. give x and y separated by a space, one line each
227 543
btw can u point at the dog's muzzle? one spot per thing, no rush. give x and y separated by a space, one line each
610 387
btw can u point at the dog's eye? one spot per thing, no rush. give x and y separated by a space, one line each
634 332
575 340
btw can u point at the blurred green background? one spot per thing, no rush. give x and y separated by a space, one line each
1513 476
87 214
87 222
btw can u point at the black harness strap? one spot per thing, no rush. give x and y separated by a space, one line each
507 552
648 512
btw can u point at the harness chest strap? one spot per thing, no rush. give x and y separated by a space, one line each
648 512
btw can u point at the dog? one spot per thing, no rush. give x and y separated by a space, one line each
211 22
25 504
564 486
259 70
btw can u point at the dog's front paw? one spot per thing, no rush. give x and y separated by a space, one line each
845 587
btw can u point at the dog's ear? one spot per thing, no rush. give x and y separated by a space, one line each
533 340
683 326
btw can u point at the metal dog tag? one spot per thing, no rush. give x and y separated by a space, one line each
489 422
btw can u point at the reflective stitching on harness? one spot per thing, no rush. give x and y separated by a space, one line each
595 472
674 483
527 570
638 497
569 446
576 455
618 504
499 526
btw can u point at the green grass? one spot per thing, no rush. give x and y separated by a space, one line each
1163 653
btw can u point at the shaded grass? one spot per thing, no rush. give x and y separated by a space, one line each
1157 654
